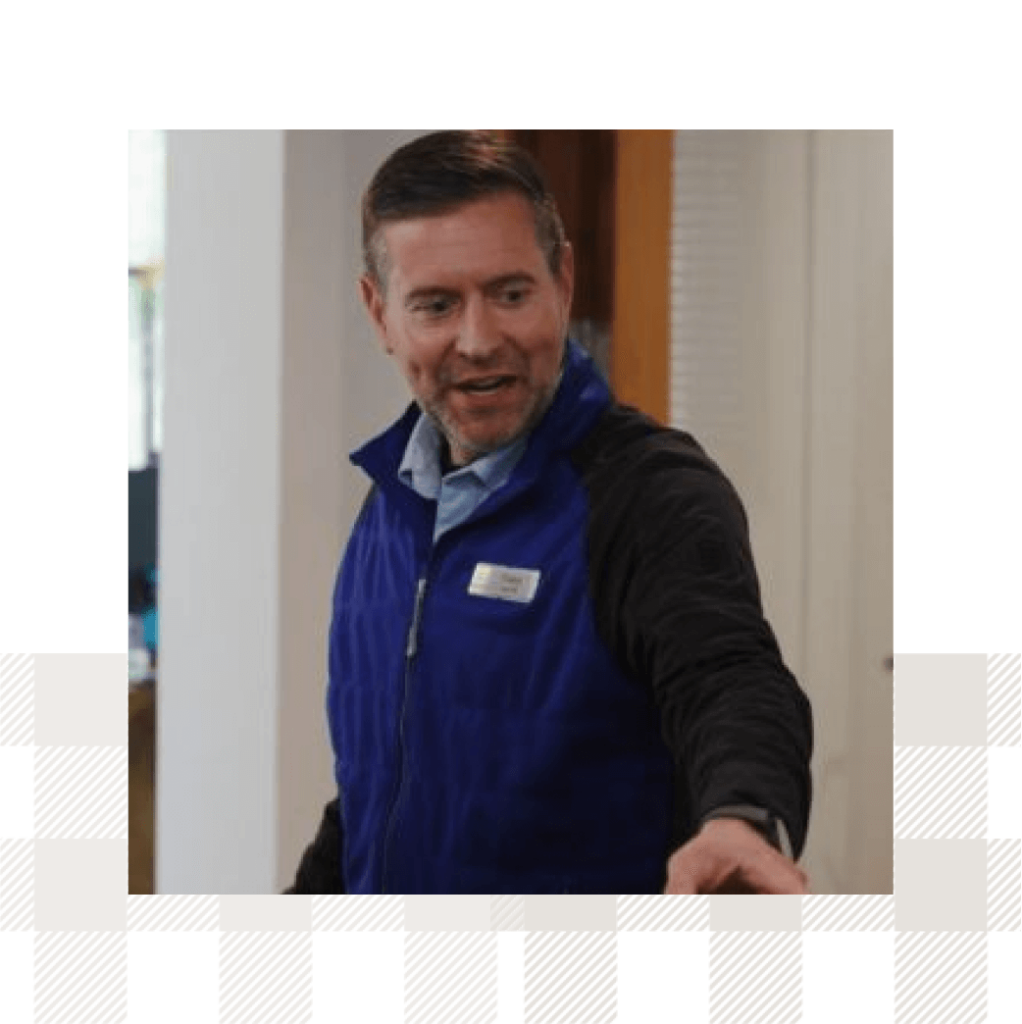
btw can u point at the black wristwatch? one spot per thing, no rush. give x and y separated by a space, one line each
769 825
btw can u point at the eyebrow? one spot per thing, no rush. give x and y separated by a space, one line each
495 283
518 277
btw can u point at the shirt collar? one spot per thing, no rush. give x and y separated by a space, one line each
420 466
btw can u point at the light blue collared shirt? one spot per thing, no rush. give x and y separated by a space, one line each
461 492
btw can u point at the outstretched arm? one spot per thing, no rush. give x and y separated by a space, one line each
677 599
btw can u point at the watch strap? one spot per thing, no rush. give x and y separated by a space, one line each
768 824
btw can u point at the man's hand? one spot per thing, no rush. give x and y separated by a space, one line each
729 856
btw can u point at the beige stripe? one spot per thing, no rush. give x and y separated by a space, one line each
17 885
265 913
570 977
17 700
173 913
572 913
755 977
81 792
940 700
358 913
462 913
81 977
940 977
848 913
756 913
1004 885
507 913
80 700
663 913
940 793
265 978
1004 700
940 885
450 977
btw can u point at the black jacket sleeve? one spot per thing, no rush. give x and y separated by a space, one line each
320 869
677 599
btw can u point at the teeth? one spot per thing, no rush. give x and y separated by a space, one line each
484 385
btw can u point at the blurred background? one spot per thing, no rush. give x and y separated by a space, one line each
735 284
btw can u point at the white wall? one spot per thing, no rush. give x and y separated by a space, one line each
271 378
782 333
849 487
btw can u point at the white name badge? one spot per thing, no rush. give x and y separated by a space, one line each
504 583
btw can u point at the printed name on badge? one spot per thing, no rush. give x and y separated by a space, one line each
502 582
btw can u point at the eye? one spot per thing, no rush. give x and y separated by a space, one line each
513 295
433 306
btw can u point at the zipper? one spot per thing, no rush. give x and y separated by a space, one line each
411 648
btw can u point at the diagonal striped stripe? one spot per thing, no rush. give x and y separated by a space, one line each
663 913
17 885
358 913
755 976
940 793
81 792
1004 885
81 977
173 913
265 977
570 977
507 913
940 977
848 913
17 700
1004 700
450 977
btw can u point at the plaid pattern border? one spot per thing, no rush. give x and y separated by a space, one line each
943 948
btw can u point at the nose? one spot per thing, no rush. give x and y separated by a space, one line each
479 333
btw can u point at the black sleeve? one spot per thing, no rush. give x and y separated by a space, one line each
677 599
320 869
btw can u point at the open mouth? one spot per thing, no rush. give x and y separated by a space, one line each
485 385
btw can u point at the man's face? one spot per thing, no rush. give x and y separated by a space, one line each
474 319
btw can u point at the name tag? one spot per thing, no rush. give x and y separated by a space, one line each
504 583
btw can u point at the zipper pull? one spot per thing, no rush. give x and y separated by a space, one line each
413 632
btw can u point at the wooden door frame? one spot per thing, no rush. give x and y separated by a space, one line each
640 339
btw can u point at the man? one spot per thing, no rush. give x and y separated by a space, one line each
549 667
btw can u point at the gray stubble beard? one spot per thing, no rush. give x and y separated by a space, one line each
477 451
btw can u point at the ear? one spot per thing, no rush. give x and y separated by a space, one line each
375 303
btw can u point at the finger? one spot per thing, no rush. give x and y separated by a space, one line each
774 875
680 883
682 877
735 884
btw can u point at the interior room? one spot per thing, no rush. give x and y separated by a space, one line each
736 284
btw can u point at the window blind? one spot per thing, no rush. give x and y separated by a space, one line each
707 361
